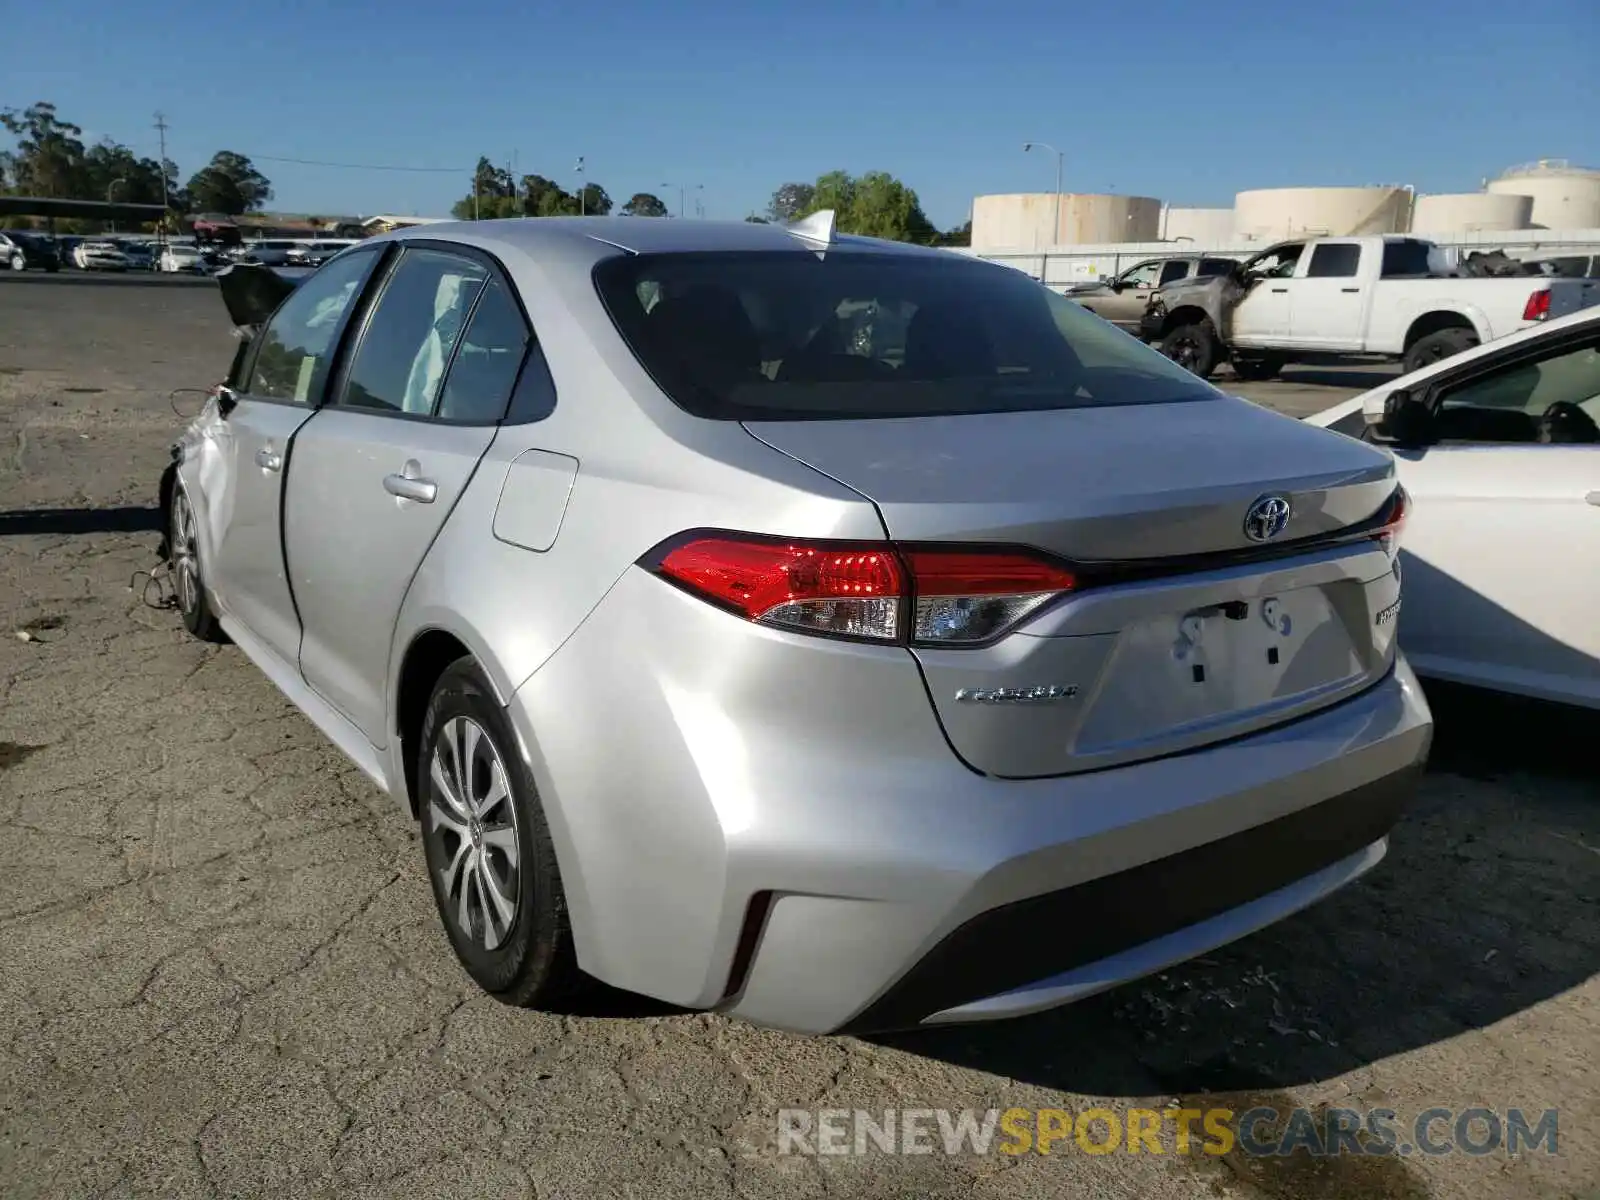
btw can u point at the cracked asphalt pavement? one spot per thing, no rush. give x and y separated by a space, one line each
221 973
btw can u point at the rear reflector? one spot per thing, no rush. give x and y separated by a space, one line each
867 590
1538 306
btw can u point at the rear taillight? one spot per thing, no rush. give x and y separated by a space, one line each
971 596
1394 522
1538 306
866 590
847 590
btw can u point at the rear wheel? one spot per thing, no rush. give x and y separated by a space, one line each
490 857
1258 367
1193 347
188 580
1436 346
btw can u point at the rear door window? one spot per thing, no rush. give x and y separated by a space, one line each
412 332
485 366
796 335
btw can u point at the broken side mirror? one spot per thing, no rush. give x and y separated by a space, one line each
1407 420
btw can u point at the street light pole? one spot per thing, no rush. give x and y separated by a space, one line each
583 197
1055 231
110 189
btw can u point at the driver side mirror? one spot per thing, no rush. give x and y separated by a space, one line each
1408 420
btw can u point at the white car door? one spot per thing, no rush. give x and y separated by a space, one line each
1501 558
1330 299
1262 317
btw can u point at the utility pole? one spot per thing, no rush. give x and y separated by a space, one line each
161 128
583 192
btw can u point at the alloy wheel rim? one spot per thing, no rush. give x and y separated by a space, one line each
185 564
473 817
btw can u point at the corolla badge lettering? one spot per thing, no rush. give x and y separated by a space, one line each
1266 518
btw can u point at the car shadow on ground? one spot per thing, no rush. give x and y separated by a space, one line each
1483 908
58 521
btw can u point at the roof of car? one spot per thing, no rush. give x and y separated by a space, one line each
646 235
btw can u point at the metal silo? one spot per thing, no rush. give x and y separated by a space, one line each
1269 214
1470 212
1564 196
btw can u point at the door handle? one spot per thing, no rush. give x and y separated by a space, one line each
1350 291
1282 289
410 487
1593 498
268 459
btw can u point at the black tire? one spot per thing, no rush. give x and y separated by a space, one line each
18 263
1436 346
188 573
1256 368
1193 347
526 959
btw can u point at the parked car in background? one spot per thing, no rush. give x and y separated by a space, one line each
1371 296
1499 449
1122 299
140 255
21 251
100 256
179 258
314 254
1572 266
267 252
742 662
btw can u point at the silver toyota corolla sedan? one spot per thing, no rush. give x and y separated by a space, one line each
835 633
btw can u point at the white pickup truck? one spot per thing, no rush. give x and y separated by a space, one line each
1367 296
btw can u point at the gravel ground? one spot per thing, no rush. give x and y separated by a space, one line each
223 975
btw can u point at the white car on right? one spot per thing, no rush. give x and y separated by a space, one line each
1499 449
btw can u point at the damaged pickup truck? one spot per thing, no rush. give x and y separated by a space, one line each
1386 297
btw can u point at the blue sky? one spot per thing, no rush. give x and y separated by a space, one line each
1182 101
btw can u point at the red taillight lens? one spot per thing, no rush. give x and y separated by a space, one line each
843 589
1538 306
859 590
1394 522
971 596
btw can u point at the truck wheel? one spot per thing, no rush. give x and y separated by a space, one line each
1193 347
1437 346
1264 366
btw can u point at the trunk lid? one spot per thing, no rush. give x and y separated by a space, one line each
1187 630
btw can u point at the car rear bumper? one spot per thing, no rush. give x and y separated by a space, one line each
773 826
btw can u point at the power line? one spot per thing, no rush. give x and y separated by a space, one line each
309 162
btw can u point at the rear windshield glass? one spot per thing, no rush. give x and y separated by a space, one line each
797 336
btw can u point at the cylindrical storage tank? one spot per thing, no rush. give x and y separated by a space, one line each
1090 220
1272 213
1015 221
1203 226
1469 212
1564 196
1022 221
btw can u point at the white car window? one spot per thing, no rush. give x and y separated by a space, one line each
1556 398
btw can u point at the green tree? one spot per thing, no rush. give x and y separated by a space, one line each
757 219
229 184
644 204
874 205
48 160
790 202
961 235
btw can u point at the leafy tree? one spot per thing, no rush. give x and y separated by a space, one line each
48 160
791 201
229 184
875 205
596 203
644 204
961 235
756 219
